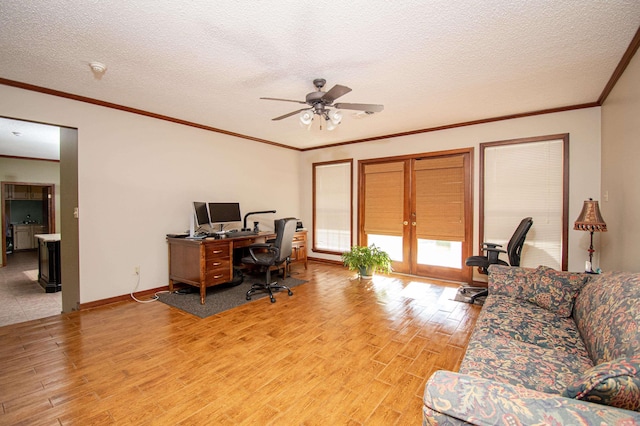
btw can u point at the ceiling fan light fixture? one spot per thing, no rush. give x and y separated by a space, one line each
306 117
320 102
335 116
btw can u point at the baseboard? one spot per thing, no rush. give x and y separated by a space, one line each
329 261
122 298
475 283
144 293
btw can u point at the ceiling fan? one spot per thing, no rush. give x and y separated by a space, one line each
320 102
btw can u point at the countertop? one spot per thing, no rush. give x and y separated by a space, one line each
48 237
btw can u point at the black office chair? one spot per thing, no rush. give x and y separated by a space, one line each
492 253
270 255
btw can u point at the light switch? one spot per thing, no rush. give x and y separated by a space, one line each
75 212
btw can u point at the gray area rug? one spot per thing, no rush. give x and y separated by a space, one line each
465 298
223 297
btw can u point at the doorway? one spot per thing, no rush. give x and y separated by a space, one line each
67 223
419 210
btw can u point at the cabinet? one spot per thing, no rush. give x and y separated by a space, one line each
24 236
200 263
49 262
299 249
25 192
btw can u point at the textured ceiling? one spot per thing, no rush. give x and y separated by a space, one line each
430 63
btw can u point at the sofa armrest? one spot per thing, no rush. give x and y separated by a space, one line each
453 398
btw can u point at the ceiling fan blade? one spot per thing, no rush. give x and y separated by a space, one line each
286 100
360 107
289 115
335 92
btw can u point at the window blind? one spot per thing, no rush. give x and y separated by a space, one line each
384 198
440 198
520 180
332 206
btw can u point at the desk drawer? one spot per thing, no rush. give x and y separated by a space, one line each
216 263
216 251
218 275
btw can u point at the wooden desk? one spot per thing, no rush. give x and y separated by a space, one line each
209 262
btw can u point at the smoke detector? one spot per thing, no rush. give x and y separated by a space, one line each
98 68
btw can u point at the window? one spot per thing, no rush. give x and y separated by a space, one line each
527 177
332 206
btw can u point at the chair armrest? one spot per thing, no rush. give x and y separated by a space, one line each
494 250
491 245
275 251
259 245
453 398
493 254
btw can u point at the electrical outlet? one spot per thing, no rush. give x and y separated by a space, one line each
136 270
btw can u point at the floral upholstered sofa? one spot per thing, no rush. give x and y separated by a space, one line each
549 347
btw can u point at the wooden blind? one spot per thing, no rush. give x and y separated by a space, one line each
439 184
384 198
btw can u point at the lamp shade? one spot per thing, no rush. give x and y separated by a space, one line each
590 218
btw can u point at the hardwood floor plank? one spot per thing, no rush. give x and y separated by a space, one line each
340 351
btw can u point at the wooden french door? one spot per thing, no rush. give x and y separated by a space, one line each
418 209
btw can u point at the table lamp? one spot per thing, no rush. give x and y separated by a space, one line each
591 220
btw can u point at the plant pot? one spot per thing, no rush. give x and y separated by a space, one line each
366 273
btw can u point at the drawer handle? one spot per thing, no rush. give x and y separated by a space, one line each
217 251
217 263
215 277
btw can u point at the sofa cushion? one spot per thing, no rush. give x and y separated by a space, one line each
607 314
519 343
520 363
555 290
526 322
510 281
615 383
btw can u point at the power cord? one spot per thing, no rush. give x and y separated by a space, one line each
153 299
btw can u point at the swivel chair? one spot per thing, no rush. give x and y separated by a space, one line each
492 253
270 255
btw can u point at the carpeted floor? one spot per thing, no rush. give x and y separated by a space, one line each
222 297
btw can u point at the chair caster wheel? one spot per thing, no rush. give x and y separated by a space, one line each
290 293
273 300
248 297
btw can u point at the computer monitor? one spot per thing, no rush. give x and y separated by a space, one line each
224 213
202 214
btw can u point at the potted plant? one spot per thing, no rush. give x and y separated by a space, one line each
367 260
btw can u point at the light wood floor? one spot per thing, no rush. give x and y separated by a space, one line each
337 352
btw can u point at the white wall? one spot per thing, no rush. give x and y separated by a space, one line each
137 177
582 125
620 248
